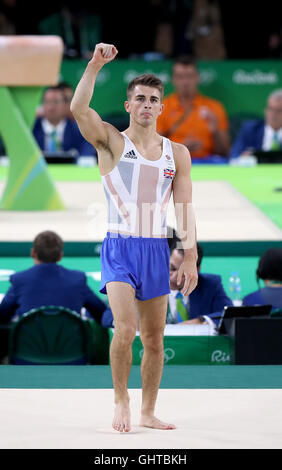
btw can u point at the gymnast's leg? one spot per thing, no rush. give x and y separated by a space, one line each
122 302
152 319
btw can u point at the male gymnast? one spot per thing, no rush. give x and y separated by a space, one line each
139 170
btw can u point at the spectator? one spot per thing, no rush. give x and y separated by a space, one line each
205 304
171 22
18 20
48 283
245 43
54 131
7 25
207 30
275 43
193 119
270 271
261 134
68 94
77 23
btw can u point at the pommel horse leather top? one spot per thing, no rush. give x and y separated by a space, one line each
30 60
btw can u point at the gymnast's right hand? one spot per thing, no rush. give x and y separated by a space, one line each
103 53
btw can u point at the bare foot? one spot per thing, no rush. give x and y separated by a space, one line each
155 423
121 421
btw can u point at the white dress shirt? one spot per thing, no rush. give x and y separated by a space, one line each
172 303
48 128
268 137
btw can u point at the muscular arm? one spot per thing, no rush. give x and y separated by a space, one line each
103 136
91 125
185 218
222 142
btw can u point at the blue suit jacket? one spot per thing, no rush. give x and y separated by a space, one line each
72 138
265 296
250 135
50 284
209 297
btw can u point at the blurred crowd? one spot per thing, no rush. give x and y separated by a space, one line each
183 31
207 29
198 121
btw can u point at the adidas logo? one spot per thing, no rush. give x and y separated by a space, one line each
130 154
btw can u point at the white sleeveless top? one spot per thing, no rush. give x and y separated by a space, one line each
138 192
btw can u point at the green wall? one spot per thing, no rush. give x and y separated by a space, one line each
242 86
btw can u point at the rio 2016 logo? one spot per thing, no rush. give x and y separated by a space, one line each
255 77
169 354
220 356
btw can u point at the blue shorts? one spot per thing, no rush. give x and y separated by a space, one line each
141 262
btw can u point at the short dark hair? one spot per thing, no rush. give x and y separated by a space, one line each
48 247
55 88
185 60
270 265
174 243
63 85
147 79
172 239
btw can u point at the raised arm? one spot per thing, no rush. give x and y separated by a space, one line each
105 138
185 218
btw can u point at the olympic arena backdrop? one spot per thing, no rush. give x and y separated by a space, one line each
242 86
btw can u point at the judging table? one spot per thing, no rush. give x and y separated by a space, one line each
188 344
183 345
193 346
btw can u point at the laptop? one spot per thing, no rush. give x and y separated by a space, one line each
268 156
253 311
61 157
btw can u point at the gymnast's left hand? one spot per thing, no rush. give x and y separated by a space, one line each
187 277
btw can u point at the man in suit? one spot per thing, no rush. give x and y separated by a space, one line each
48 283
261 134
55 131
205 304
68 94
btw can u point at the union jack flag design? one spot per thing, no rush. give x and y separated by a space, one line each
138 192
169 173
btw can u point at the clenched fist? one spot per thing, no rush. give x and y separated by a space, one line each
103 53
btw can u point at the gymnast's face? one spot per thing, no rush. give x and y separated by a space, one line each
144 105
176 259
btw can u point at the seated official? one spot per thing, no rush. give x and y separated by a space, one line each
54 131
207 301
192 119
270 271
261 134
68 94
48 283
